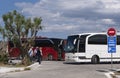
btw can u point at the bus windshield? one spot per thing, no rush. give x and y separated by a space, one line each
71 43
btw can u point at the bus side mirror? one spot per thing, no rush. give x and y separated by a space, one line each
74 41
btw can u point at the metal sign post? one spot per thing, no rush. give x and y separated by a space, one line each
111 40
111 61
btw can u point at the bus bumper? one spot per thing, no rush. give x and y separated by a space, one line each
76 59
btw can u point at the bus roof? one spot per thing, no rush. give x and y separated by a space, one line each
92 33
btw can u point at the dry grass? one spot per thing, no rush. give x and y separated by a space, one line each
27 68
10 65
4 65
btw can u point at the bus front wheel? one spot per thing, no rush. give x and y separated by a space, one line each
95 59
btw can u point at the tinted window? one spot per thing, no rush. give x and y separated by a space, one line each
118 39
56 41
11 44
43 43
82 43
71 43
98 39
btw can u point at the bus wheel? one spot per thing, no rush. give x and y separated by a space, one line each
50 57
95 59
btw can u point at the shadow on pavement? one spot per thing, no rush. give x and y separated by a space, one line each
89 63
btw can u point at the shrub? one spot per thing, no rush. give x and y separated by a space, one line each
4 58
27 68
26 61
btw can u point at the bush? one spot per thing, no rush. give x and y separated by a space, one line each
26 61
27 68
0 58
4 58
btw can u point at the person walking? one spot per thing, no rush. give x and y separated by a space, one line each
30 53
39 55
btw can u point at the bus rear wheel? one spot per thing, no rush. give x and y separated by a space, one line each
50 57
95 59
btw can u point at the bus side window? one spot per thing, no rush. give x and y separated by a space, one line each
98 39
118 39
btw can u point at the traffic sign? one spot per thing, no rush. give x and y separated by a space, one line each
111 44
111 32
111 40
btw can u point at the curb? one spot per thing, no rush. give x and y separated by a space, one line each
18 69
110 75
8 69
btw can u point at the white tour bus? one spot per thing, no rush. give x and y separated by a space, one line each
90 47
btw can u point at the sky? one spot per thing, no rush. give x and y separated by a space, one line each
64 17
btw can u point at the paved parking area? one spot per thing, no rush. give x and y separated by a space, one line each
56 69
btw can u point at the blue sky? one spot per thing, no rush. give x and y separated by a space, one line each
64 17
9 5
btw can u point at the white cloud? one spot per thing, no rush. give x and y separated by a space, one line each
60 28
110 6
108 21
76 16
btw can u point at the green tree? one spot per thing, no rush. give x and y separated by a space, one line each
16 27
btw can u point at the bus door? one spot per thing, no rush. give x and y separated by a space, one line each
82 43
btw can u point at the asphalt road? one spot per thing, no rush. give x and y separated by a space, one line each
56 69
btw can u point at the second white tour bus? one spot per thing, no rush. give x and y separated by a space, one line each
91 47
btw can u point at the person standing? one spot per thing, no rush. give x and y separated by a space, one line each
39 55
